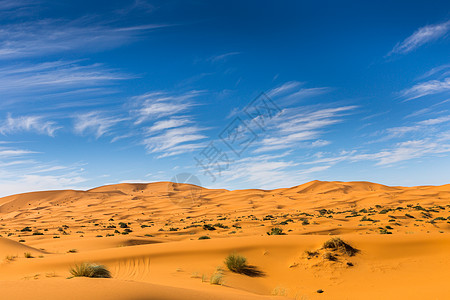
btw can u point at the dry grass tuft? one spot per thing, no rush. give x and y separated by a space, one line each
216 278
90 270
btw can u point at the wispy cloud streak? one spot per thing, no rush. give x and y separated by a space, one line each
421 37
50 36
95 123
28 124
172 130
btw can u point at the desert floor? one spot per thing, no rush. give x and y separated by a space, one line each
166 241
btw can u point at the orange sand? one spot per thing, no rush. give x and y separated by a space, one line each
162 258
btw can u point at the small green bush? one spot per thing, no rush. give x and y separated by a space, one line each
276 231
208 227
90 270
236 263
220 225
123 225
204 237
384 231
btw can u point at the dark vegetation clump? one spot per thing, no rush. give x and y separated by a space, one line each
336 244
276 231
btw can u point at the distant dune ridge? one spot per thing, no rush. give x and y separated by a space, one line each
311 195
166 241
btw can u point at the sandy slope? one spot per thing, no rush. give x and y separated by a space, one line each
403 235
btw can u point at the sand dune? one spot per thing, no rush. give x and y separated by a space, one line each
147 235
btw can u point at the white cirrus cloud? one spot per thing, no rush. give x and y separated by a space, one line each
421 37
50 36
222 57
36 124
55 76
266 171
156 105
301 127
169 123
95 123
426 88
175 141
171 130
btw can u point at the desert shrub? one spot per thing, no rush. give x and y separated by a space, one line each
216 278
220 225
276 231
384 231
208 227
90 270
322 211
27 255
409 216
72 251
123 225
329 256
37 233
337 244
268 217
26 229
173 229
10 258
305 222
204 237
426 215
311 254
236 263
366 219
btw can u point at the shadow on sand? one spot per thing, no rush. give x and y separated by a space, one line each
252 271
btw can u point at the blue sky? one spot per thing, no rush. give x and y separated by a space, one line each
102 92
